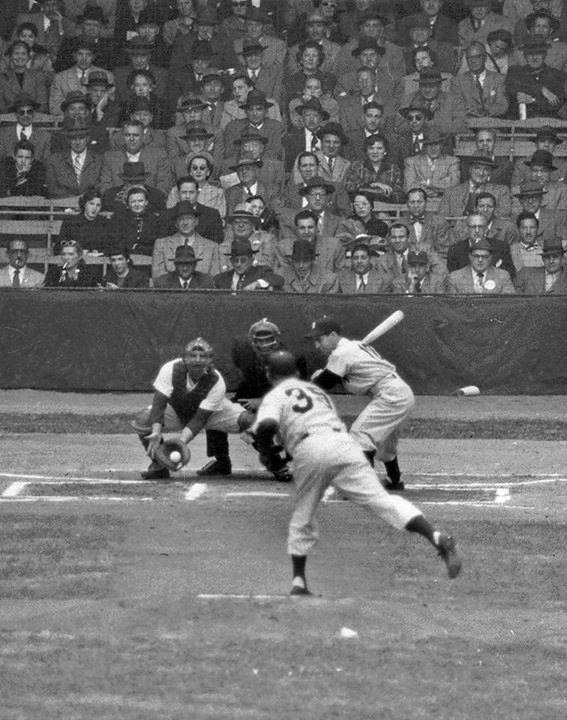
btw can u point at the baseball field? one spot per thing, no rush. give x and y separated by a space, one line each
130 600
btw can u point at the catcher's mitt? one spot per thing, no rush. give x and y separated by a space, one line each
163 454
276 464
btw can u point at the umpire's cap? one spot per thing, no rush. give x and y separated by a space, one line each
324 326
281 363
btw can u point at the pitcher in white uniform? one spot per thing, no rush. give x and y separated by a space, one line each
302 418
362 371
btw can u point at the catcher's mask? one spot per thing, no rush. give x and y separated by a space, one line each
198 355
264 336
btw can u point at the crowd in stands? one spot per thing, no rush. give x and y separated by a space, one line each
304 146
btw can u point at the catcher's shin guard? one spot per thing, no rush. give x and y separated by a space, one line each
217 444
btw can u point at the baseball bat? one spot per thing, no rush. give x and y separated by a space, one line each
386 325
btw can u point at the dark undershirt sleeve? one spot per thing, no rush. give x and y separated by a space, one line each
327 380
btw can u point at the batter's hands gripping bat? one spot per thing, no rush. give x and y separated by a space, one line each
386 325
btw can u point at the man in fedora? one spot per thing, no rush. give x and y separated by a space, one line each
447 108
23 128
305 275
460 200
479 276
442 28
305 139
551 279
256 108
139 54
316 27
368 54
193 134
419 279
206 28
140 109
266 78
189 80
294 199
132 174
535 86
105 110
555 193
485 144
187 218
531 198
312 225
481 21
156 162
541 24
244 275
184 276
210 224
271 175
333 167
77 106
431 170
361 277
75 78
406 130
477 230
71 172
243 225
546 138
213 93
368 24
249 185
483 91
90 26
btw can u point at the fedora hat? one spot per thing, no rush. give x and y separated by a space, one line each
240 247
23 100
138 46
433 135
241 212
415 106
302 250
75 128
252 47
417 257
75 96
552 246
543 158
251 134
535 46
133 172
547 133
430 76
185 208
333 128
191 102
479 158
367 44
256 97
242 161
316 182
99 77
184 254
529 188
482 244
197 133
92 12
315 18
312 104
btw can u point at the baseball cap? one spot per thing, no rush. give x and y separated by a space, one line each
324 326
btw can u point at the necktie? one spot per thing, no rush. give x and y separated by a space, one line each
403 266
361 284
416 149
480 93
314 141
77 166
185 284
16 278
418 228
417 286
331 164
471 202
84 78
480 276
23 135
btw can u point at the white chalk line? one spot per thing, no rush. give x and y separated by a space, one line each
73 498
236 596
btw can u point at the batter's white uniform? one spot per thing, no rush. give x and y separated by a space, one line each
324 453
365 372
225 414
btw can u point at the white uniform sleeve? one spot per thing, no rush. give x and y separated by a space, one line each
164 380
270 409
216 396
338 362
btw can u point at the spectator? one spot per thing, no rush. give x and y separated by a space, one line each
307 169
544 26
447 109
369 54
267 220
182 24
17 78
419 280
441 27
51 25
213 93
459 252
420 38
266 78
235 24
306 138
233 109
90 25
546 138
368 89
249 185
372 124
155 160
366 221
369 24
555 193
310 58
184 141
105 111
21 174
479 276
142 110
75 79
77 108
305 275
332 165
376 172
89 227
551 279
200 166
133 174
483 91
140 59
500 47
136 227
460 200
121 273
407 137
142 84
432 171
244 226
393 263
24 129
551 225
184 276
422 57
271 173
40 58
485 142
361 277
73 271
188 80
526 252
17 273
256 108
210 222
71 172
186 234
481 21
428 231
245 275
316 31
313 89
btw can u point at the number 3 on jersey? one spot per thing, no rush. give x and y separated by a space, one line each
305 398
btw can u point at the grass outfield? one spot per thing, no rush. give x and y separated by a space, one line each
102 619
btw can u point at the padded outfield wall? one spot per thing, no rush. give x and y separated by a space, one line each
83 340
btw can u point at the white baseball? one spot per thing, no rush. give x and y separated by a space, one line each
175 456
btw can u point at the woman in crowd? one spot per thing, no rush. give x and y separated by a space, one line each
363 221
310 57
89 226
18 78
136 227
200 166
376 172
73 271
142 84
40 59
313 88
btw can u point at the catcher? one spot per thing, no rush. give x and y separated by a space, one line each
249 355
189 395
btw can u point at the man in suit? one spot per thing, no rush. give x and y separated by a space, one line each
526 251
105 111
428 231
90 25
121 274
551 224
77 106
188 80
555 193
71 172
244 275
255 107
266 78
186 234
369 86
479 276
535 86
406 130
485 141
305 275
178 137
447 108
184 276
307 168
393 264
23 129
419 32
419 278
333 167
361 277
16 273
459 252
546 138
432 172
271 173
372 124
483 91
249 184
316 27
140 56
461 199
369 54
307 138
441 27
210 222
74 79
551 279
257 22
155 160
51 25
480 22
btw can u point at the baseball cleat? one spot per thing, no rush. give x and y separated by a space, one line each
155 472
392 486
447 549
298 591
216 467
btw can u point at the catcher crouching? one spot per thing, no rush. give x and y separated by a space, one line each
189 396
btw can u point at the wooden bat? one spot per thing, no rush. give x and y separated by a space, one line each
386 325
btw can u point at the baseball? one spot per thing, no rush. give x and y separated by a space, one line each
175 456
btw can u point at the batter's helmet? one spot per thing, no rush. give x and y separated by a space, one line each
264 336
281 363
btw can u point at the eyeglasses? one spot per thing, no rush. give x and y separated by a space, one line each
480 257
415 116
199 167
